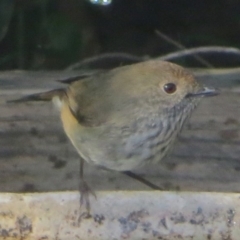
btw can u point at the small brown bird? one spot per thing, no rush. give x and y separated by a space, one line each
126 117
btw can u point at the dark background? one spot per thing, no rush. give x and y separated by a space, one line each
53 34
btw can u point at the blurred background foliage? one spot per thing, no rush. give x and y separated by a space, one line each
52 34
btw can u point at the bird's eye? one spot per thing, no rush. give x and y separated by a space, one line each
170 88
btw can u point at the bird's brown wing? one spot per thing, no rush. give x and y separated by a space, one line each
109 97
88 100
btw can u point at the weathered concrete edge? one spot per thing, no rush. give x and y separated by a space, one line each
123 214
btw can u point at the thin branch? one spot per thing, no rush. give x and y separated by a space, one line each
197 50
106 61
180 46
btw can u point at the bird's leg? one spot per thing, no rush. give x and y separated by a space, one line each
142 180
85 192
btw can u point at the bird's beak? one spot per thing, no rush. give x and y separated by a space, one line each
206 92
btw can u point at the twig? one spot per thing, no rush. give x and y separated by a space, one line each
180 46
106 61
197 50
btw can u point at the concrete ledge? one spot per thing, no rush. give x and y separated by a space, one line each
121 215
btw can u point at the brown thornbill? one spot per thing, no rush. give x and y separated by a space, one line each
123 118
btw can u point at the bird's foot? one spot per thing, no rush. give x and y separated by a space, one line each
85 206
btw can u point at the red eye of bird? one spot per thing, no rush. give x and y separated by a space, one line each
170 88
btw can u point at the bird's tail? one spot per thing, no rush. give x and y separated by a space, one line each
43 96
